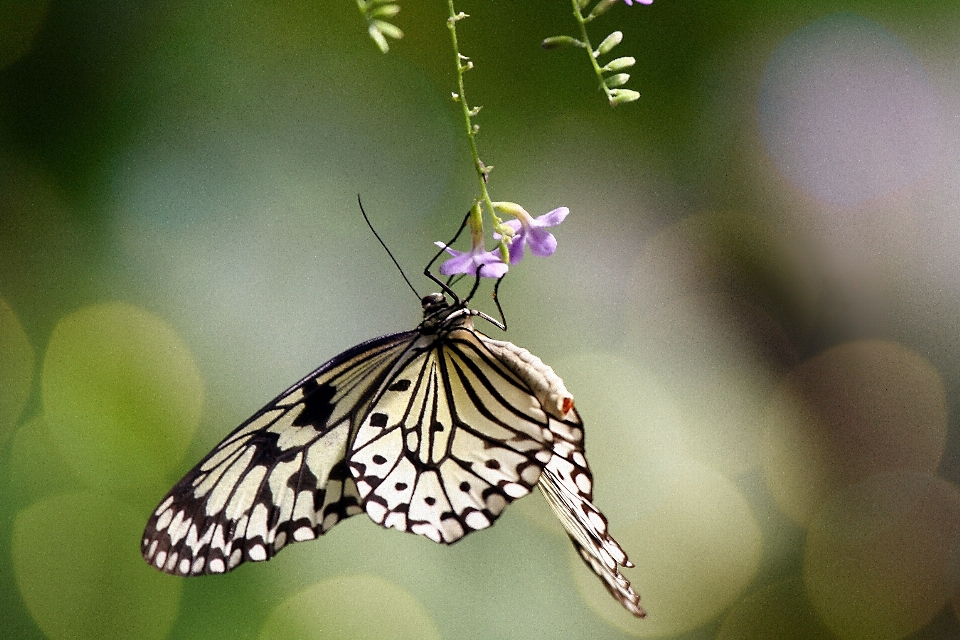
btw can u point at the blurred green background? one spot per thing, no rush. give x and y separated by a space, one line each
755 301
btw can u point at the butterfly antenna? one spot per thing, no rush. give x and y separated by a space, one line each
496 300
446 285
387 249
476 284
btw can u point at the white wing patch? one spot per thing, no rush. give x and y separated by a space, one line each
280 477
453 438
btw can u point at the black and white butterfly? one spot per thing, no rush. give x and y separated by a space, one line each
433 431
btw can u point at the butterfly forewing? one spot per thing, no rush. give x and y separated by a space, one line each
453 438
280 477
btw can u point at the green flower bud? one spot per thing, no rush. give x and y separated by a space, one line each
618 64
390 30
617 80
556 42
378 38
622 96
504 252
608 43
602 7
384 11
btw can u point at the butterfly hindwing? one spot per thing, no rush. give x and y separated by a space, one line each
280 477
567 484
452 439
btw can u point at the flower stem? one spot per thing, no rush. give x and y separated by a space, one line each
476 214
582 21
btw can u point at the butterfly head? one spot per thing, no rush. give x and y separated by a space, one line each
438 313
434 303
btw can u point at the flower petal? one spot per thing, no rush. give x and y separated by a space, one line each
516 248
542 243
467 263
552 218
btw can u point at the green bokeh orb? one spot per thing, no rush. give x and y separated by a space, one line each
36 469
17 361
880 559
696 545
358 607
778 611
78 567
122 397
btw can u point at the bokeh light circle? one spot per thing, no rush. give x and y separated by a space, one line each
122 394
627 415
858 409
778 611
37 468
17 362
706 296
881 556
847 111
77 564
696 545
361 607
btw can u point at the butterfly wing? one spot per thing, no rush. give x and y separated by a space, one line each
280 477
567 484
454 437
429 432
566 481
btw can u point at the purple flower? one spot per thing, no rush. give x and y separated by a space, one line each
630 2
467 262
532 231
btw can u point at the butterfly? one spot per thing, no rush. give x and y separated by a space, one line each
432 431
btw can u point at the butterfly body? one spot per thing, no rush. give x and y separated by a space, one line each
431 431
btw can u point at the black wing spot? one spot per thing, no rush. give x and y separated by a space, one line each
436 426
400 385
317 405
340 471
492 464
379 459
303 480
400 486
430 500
265 449
464 486
378 420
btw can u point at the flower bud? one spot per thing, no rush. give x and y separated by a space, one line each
384 11
602 7
504 252
616 80
618 64
608 43
622 96
392 31
378 38
555 42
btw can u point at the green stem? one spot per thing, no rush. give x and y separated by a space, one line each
586 40
476 214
